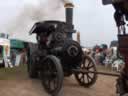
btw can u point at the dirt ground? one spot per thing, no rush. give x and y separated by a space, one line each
23 86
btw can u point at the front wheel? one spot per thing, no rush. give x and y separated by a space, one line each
52 75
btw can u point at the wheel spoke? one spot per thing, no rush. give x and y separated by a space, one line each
49 85
89 76
55 83
85 79
82 65
86 63
92 66
52 84
89 63
81 76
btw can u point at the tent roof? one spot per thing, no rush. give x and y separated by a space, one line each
17 43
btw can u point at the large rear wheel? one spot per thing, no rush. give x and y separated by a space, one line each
87 79
52 75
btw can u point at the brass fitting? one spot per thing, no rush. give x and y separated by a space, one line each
68 5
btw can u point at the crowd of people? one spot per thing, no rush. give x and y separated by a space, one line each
108 57
18 57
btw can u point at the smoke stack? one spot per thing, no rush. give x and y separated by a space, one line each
69 13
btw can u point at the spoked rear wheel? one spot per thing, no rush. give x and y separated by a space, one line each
87 79
52 75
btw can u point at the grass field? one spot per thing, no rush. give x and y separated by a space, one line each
13 73
21 72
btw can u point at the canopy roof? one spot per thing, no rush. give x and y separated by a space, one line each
17 43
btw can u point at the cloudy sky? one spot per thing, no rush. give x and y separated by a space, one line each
93 20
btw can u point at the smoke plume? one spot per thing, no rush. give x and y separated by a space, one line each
30 13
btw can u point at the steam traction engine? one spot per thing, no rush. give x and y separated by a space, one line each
57 55
120 16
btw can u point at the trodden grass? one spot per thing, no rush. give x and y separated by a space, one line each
19 72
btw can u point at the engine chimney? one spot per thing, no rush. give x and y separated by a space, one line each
69 18
69 13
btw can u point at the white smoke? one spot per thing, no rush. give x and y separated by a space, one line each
34 11
67 1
